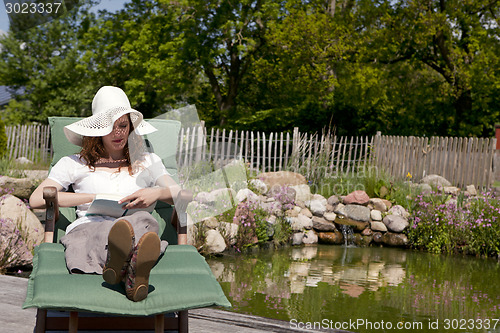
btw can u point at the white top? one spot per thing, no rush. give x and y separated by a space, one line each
70 170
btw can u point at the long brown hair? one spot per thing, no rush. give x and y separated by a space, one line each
93 149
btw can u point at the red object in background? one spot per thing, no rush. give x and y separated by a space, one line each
497 135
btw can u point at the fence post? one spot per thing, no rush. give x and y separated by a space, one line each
496 160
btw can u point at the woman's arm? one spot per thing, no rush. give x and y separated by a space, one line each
66 199
166 190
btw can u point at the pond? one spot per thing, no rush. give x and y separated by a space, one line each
364 289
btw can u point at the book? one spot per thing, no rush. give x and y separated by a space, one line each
107 204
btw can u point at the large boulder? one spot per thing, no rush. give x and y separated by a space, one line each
20 232
14 209
395 223
19 187
435 180
282 178
246 194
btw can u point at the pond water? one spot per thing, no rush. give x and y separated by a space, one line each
364 289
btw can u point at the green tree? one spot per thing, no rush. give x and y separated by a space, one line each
45 63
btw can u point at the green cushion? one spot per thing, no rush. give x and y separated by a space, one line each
181 280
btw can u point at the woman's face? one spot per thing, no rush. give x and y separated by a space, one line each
117 139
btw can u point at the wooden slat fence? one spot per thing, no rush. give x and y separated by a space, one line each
462 161
308 154
30 141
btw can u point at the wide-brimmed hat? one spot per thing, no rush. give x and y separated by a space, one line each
109 104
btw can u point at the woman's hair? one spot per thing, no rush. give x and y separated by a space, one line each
93 149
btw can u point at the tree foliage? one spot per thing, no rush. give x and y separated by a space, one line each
405 67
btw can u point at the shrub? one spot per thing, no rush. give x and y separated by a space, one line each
468 226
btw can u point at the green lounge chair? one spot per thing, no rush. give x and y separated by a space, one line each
180 281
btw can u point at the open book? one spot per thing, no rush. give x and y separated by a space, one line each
107 204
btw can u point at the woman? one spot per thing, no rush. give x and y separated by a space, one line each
111 162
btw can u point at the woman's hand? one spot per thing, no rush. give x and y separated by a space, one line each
142 198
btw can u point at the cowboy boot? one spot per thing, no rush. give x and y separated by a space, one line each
121 241
144 257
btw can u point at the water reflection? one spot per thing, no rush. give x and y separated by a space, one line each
341 283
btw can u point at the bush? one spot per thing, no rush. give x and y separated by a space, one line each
468 226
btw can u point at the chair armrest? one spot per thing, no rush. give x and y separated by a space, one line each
183 199
52 212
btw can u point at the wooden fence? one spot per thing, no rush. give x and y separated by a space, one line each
30 141
308 154
462 161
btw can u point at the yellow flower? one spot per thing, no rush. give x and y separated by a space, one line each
409 176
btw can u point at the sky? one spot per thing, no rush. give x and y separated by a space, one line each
110 5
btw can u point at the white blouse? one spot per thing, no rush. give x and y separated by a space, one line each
70 170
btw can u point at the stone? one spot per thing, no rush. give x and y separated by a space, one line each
14 209
340 209
378 226
378 204
357 197
291 213
284 195
329 208
435 180
330 216
246 194
302 192
297 238
453 190
211 223
424 189
367 232
300 203
282 178
399 210
378 237
471 189
18 187
258 185
322 224
229 231
214 242
23 160
300 222
376 215
271 219
333 200
395 223
388 204
310 237
306 212
334 238
222 195
358 225
357 212
362 241
393 239
317 206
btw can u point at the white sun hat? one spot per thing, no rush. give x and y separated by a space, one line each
109 104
